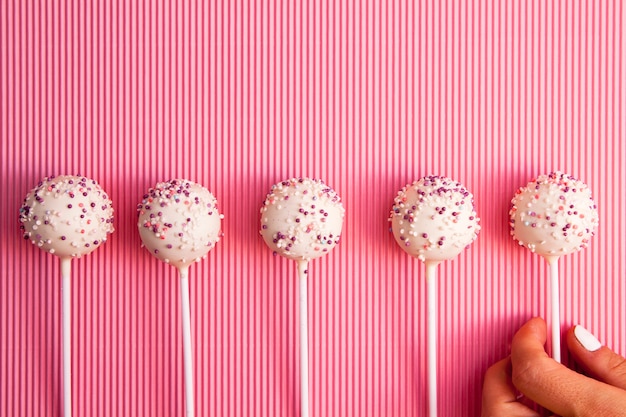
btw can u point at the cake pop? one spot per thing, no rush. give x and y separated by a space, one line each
179 223
433 219
301 219
67 216
553 215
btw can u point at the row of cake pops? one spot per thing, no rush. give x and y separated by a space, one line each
179 222
432 219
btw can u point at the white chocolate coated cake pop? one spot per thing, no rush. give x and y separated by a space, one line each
179 222
433 219
553 215
301 218
68 216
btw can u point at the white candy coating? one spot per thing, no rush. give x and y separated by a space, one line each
68 216
433 219
301 218
179 222
553 215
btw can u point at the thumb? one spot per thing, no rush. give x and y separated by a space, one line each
597 360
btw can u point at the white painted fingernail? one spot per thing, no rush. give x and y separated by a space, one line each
588 340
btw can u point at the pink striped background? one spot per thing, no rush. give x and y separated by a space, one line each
238 95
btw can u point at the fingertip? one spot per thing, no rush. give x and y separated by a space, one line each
582 344
531 334
586 339
535 324
597 360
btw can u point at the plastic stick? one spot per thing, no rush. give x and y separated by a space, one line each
66 266
304 339
431 317
187 358
556 309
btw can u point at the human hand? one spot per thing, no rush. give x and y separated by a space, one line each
531 372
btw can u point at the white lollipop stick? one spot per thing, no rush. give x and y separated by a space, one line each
553 261
304 339
431 317
188 363
66 264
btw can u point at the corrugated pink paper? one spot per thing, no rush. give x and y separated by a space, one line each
238 95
